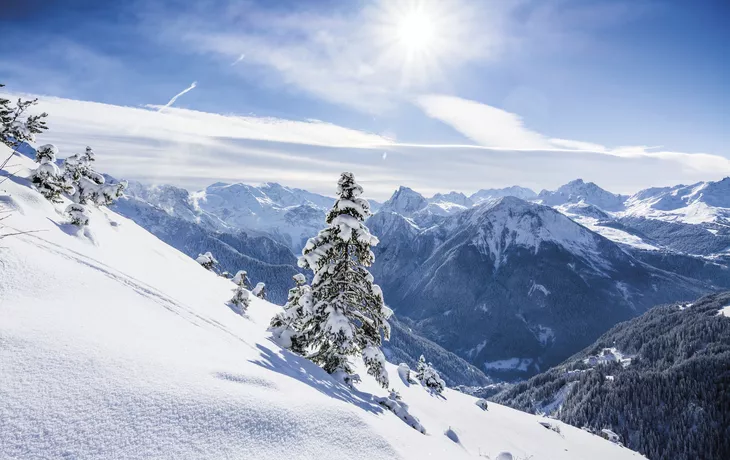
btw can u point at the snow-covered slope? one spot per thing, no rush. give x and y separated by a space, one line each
174 201
597 220
703 202
264 258
688 219
289 214
115 345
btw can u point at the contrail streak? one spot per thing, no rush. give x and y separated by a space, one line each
240 58
174 98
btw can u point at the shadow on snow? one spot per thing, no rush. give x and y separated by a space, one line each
309 373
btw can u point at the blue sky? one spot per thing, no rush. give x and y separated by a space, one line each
609 77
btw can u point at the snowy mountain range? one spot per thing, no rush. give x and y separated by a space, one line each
116 345
510 275
290 216
515 286
692 219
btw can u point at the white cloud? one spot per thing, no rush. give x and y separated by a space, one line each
494 128
176 124
194 149
577 145
485 125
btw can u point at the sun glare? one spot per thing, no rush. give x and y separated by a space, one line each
416 31
420 39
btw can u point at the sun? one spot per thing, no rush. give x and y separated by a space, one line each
419 40
416 31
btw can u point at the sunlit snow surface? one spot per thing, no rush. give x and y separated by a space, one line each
703 202
594 224
113 345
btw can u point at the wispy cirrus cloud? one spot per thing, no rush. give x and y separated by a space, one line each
494 128
346 56
193 149
92 118
486 125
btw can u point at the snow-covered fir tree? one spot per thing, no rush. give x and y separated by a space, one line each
78 214
5 111
86 181
207 261
421 367
240 296
75 166
287 326
47 177
15 125
428 376
90 186
259 291
348 315
483 404
241 279
109 193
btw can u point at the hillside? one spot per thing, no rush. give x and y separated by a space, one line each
170 214
514 287
661 381
115 345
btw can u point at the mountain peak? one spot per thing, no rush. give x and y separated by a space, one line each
405 201
273 185
490 193
453 197
578 190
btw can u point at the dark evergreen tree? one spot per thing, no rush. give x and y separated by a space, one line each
421 368
349 315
